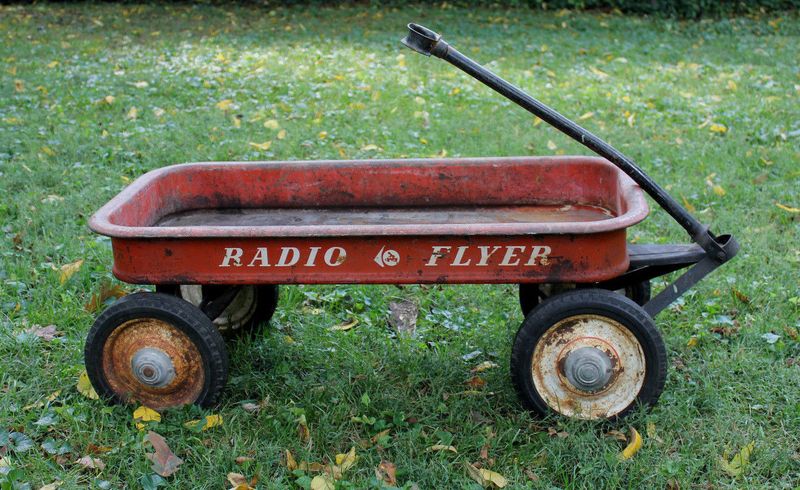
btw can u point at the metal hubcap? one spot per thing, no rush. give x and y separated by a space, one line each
588 369
153 367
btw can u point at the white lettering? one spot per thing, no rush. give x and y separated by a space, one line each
262 255
438 252
511 253
234 254
312 256
539 252
341 255
284 260
486 254
460 255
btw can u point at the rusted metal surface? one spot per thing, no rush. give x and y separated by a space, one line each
133 355
490 220
576 385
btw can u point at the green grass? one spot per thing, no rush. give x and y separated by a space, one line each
655 89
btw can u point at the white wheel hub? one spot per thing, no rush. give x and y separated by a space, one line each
588 367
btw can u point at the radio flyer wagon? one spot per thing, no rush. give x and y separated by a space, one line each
217 238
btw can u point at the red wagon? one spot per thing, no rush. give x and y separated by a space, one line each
217 238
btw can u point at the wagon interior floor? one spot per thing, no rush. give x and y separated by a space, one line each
386 216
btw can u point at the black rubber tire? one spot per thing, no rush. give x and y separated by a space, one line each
599 302
178 313
266 302
531 294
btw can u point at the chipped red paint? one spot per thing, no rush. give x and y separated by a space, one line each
376 221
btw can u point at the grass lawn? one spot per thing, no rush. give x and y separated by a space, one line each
92 96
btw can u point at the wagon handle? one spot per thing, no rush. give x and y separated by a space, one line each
425 41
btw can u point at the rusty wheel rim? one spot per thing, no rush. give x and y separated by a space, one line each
154 363
588 367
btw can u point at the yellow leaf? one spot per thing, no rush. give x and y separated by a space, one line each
108 99
586 115
597 72
731 85
718 190
271 124
486 478
239 482
689 206
788 209
19 85
281 134
455 91
159 112
291 464
237 123
345 461
323 134
48 151
67 270
343 327
483 367
551 145
633 446
441 447
370 148
223 105
718 128
322 482
53 64
133 113
537 121
146 414
738 464
209 422
261 146
692 342
85 387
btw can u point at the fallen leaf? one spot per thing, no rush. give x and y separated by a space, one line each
90 463
67 270
271 124
791 332
486 478
343 327
302 429
345 461
133 113
322 482
718 128
585 116
370 148
441 447
689 206
739 462
158 112
145 414
19 86
165 463
85 387
41 403
651 432
617 435
107 291
740 296
51 153
51 486
475 382
386 473
224 104
209 422
243 459
239 482
47 333
281 134
633 446
551 145
788 209
291 464
718 190
597 72
692 342
261 146
403 316
107 100
553 432
322 135
483 367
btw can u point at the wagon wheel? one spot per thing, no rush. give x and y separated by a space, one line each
531 294
588 354
250 307
157 350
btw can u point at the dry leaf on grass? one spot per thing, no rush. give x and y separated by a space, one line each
738 464
107 290
633 446
85 387
165 463
47 333
343 327
90 463
441 447
486 478
240 482
322 482
403 316
209 422
386 473
67 270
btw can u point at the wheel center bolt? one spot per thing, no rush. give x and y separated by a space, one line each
153 367
588 369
